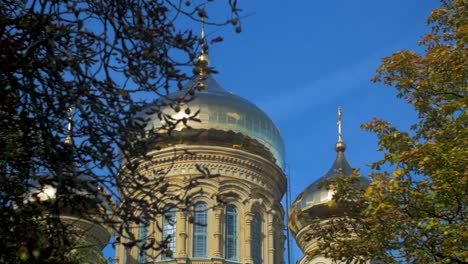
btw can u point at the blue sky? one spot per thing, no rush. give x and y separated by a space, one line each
299 60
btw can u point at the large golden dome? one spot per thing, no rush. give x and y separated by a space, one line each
221 111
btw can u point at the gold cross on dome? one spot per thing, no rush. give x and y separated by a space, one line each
68 139
340 136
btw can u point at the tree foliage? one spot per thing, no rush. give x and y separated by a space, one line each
99 58
416 212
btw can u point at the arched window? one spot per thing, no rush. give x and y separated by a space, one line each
142 236
256 235
231 233
169 231
200 230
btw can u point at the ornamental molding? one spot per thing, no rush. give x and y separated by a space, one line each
226 162
97 234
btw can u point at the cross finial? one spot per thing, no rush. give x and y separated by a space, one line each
340 135
203 58
340 145
203 30
68 139
203 15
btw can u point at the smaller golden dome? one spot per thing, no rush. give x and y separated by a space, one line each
316 201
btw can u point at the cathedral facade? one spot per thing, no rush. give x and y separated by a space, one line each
235 215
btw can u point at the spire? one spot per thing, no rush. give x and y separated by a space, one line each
203 30
203 59
340 145
340 136
68 139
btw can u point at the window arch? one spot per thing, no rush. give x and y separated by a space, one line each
200 230
231 233
142 236
169 231
256 235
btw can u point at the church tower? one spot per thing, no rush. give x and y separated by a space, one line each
237 142
316 203
75 204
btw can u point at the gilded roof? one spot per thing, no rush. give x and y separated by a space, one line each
316 201
315 194
224 111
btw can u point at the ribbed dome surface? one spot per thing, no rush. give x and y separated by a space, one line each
224 111
313 194
316 200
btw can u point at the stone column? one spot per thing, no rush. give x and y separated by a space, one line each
218 212
248 237
181 234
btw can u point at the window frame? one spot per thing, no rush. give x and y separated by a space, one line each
200 230
142 237
169 209
231 237
256 235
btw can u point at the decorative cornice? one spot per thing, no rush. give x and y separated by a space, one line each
181 161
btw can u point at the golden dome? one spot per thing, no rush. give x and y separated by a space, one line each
316 201
222 111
